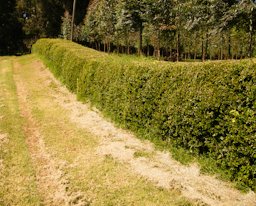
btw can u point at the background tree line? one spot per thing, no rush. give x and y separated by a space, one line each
175 30
22 22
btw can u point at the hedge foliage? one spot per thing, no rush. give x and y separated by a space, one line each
205 107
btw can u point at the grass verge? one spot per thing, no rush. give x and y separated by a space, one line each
17 176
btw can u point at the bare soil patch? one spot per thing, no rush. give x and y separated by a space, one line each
158 167
3 140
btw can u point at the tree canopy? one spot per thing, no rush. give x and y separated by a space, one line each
24 21
10 28
171 29
205 29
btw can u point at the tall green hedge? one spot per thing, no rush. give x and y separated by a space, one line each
204 107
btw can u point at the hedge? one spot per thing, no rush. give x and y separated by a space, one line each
208 108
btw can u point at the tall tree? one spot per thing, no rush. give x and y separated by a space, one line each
161 16
133 16
206 29
107 21
43 18
243 14
10 29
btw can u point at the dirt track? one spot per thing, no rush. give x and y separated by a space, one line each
158 167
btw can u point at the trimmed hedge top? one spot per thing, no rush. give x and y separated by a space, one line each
205 107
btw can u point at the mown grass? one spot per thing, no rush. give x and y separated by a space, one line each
17 176
101 179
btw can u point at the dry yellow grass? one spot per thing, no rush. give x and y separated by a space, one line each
63 155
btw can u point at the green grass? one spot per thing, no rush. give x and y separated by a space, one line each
17 176
141 153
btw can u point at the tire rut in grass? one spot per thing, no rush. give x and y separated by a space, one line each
51 181
3 140
3 136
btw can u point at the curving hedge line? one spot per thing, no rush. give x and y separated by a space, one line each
205 107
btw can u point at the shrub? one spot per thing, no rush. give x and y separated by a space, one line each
208 108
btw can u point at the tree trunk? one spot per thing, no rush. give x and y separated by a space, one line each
140 39
178 47
206 55
203 50
189 50
158 46
109 47
220 46
104 48
250 52
229 46
73 19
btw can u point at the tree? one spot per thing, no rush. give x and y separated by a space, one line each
31 17
133 17
66 26
10 29
206 29
107 21
243 15
123 27
160 15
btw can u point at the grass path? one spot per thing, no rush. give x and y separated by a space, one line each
17 174
68 154
51 182
46 159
